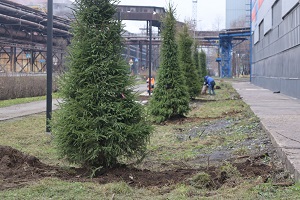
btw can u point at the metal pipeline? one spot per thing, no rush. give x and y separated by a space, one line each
35 25
21 21
30 16
15 35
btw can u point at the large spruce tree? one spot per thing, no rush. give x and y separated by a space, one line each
170 97
99 120
186 62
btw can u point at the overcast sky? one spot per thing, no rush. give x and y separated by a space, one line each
208 11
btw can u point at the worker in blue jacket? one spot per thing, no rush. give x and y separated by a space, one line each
210 82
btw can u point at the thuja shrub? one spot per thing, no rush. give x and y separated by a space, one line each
202 61
192 80
196 62
99 120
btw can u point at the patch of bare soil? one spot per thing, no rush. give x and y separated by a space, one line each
147 178
182 120
18 169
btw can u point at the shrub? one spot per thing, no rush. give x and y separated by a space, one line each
20 86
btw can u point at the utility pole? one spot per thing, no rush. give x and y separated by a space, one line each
150 55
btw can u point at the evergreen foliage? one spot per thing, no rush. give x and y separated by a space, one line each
170 97
185 42
203 69
99 120
196 61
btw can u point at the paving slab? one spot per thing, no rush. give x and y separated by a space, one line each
280 116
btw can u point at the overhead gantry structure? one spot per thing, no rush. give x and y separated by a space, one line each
227 39
152 16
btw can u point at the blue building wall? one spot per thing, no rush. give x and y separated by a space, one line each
276 48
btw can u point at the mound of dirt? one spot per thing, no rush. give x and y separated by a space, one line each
18 169
11 160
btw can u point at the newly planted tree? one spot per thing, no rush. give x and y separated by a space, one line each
202 58
185 59
99 120
170 97
197 61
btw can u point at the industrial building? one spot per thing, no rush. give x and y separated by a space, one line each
276 49
23 41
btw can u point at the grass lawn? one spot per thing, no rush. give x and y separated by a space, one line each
219 136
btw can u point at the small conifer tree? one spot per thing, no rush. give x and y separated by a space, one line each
170 97
202 58
99 120
196 61
186 62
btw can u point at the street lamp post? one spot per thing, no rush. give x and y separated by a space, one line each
150 55
49 64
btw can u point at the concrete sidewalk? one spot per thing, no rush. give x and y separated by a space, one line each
280 116
21 110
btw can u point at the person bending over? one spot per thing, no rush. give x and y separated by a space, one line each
210 82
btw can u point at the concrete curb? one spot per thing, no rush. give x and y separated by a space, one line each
280 118
289 166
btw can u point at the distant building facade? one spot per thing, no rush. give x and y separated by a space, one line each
237 13
276 45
